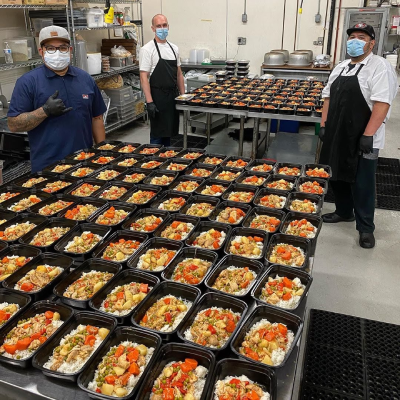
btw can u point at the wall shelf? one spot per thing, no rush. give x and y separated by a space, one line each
115 71
32 6
85 28
21 64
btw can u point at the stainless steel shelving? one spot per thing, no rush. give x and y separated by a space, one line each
31 6
85 28
115 71
22 64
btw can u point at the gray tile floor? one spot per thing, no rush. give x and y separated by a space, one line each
347 278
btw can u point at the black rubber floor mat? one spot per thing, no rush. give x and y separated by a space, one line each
350 358
193 142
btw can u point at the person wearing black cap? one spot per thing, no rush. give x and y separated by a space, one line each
357 102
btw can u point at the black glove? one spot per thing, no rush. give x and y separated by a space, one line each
152 110
321 133
366 144
55 107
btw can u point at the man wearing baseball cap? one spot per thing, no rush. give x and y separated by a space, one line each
60 106
357 104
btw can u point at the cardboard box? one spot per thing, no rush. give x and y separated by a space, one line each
12 2
56 2
34 2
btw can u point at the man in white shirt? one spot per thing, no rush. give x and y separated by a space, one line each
357 104
162 80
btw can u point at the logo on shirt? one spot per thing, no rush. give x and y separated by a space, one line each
85 96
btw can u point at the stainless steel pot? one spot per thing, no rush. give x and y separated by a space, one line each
274 59
299 59
284 52
308 52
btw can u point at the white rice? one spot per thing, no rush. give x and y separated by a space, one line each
315 208
309 234
245 290
185 235
5 304
214 194
122 312
181 315
141 260
200 372
161 206
188 335
220 384
133 380
71 243
238 239
223 222
220 240
74 366
279 354
59 269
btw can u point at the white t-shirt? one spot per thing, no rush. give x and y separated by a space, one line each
148 56
378 82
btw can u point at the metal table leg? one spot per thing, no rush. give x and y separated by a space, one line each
208 127
318 151
255 137
185 128
241 136
267 139
226 121
278 125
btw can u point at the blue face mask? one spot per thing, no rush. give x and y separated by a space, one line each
162 33
355 47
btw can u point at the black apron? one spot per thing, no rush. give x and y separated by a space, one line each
163 91
348 116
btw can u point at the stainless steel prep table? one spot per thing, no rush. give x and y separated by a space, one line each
242 115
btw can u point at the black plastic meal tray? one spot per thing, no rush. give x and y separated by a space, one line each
128 186
274 178
130 209
120 334
261 161
291 273
239 262
75 164
163 161
104 153
236 158
160 148
318 200
192 150
126 235
173 352
169 194
123 277
66 313
117 168
295 241
65 197
177 149
80 318
135 170
210 182
323 183
124 156
20 218
123 144
273 315
63 178
183 161
179 290
211 155
12 189
313 219
91 181
159 173
137 188
56 260
248 174
327 169
102 231
260 375
154 243
289 165
206 226
190 252
218 170
265 192
209 167
41 195
141 213
247 232
233 204
113 142
177 217
100 203
239 187
209 300
24 178
12 297
185 178
76 153
7 215
85 267
50 223
263 211
213 200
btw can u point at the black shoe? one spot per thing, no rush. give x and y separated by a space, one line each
367 240
333 218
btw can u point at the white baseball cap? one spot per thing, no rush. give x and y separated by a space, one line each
53 32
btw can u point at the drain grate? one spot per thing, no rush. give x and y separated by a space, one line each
349 358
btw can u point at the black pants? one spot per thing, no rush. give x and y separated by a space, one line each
358 198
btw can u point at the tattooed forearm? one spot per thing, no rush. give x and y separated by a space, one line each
98 130
27 121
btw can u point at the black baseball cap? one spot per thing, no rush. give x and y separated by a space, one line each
368 29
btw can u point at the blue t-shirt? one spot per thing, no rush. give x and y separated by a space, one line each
56 137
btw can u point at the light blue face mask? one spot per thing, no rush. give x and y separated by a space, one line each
355 47
162 33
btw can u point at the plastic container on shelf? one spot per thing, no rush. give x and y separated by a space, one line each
19 49
119 97
94 63
39 23
95 17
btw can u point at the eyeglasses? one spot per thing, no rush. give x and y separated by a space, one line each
64 48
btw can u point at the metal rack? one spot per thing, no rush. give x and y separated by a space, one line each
22 64
115 71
